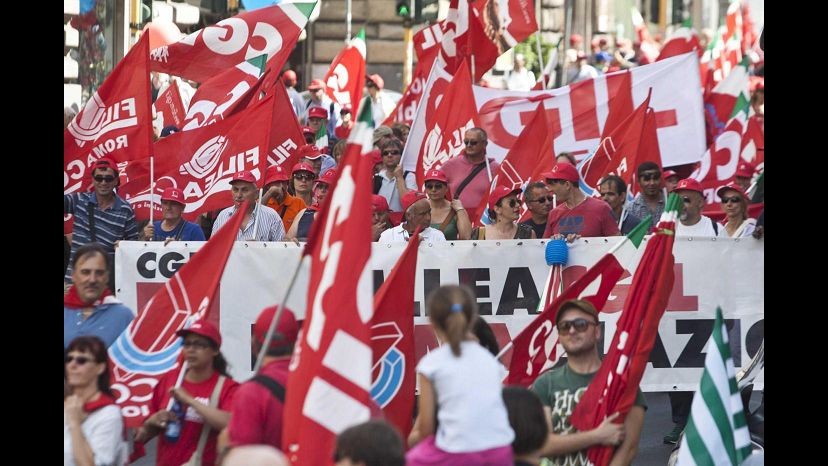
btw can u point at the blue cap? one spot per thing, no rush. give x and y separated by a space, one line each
602 57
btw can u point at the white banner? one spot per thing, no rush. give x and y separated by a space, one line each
577 112
507 276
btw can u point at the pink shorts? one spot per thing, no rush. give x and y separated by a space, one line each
426 453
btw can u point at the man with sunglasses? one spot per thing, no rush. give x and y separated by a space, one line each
468 177
393 181
651 197
538 200
101 215
579 332
691 221
576 215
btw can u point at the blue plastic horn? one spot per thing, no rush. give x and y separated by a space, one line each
557 252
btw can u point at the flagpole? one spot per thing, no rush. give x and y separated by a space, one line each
178 382
152 185
540 57
347 20
278 315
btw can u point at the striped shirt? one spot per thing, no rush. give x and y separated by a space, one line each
111 225
270 227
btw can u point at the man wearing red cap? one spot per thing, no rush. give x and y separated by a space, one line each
691 221
381 105
744 174
173 227
296 101
324 139
576 215
318 98
416 213
277 197
259 402
671 179
380 219
101 215
260 223
468 176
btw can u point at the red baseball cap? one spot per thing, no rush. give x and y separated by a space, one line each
308 151
735 187
103 163
689 184
377 80
379 203
203 328
174 195
563 171
499 193
286 329
274 174
317 112
345 109
328 178
243 175
316 84
669 173
302 167
437 175
410 198
745 169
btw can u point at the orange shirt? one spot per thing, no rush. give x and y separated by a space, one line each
287 209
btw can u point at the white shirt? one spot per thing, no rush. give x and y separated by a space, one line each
744 230
381 108
389 191
472 415
269 228
104 430
704 227
522 80
399 235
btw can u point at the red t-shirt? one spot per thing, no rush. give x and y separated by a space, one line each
589 218
257 413
174 454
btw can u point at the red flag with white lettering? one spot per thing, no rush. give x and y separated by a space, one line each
506 27
406 109
273 30
346 76
285 134
116 121
202 162
614 387
328 388
149 347
392 340
170 106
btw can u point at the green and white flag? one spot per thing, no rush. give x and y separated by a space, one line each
717 432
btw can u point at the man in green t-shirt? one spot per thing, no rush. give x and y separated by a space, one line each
561 389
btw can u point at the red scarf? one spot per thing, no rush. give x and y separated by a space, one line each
103 400
71 299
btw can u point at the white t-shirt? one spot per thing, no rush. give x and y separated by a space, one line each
398 234
744 230
471 414
704 227
103 430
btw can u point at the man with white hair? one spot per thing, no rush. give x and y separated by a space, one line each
416 213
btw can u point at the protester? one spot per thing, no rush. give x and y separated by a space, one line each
650 200
93 428
172 227
539 202
527 418
268 227
88 306
471 425
735 205
416 213
372 443
300 229
277 197
576 215
504 210
447 215
392 180
380 220
468 175
614 192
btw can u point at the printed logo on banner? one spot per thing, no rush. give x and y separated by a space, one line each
389 370
96 119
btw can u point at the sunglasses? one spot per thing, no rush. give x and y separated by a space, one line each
469 142
304 176
102 178
196 343
434 185
391 152
650 177
580 325
734 199
80 360
513 203
542 200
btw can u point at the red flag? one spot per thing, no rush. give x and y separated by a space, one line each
534 347
506 27
116 121
285 134
330 378
444 128
220 96
614 387
620 102
524 163
406 108
464 39
618 152
170 106
392 340
346 76
148 348
681 41
207 52
201 162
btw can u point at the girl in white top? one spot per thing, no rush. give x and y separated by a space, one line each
734 205
460 384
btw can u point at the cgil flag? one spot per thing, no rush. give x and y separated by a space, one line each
716 433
